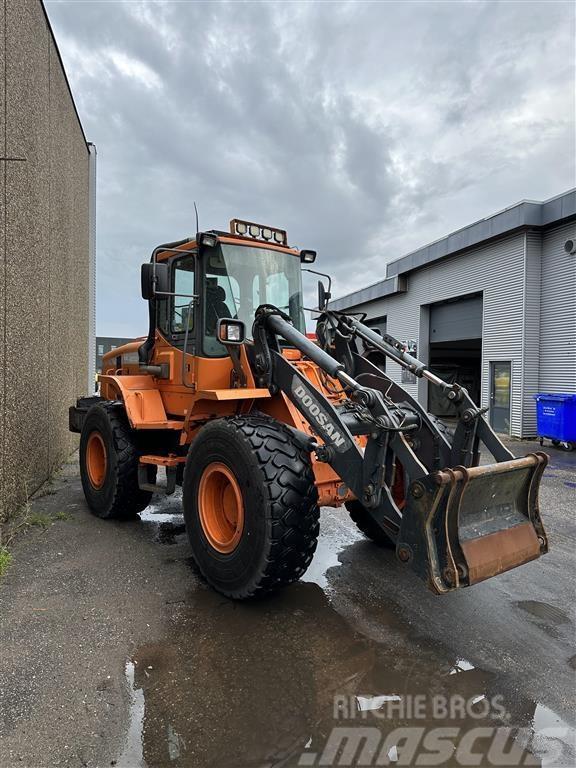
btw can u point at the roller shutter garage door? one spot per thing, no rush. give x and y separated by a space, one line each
456 320
455 349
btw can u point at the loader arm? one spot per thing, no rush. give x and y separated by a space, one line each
460 522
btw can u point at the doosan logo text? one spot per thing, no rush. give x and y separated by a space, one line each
319 416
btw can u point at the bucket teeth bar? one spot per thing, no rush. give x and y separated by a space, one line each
464 525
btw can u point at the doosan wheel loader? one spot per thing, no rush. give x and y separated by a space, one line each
262 425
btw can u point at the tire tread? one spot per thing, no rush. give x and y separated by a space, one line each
128 499
292 496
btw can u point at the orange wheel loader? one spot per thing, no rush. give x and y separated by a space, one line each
262 425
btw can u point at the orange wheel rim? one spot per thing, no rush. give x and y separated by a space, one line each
221 507
96 461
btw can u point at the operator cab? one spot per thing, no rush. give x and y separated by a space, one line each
194 284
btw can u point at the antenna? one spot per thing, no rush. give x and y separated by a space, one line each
196 212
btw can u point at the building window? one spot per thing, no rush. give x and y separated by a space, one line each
100 349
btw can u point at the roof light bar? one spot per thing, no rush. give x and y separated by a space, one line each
258 231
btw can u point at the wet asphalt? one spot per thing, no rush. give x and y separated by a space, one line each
114 652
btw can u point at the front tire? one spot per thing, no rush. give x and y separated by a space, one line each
109 457
367 525
250 506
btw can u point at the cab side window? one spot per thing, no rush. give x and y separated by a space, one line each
173 315
182 314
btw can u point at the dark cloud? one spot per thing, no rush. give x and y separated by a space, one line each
365 129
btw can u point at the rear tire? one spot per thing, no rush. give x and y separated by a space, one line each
250 506
109 457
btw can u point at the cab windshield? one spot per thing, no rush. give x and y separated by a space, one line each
238 278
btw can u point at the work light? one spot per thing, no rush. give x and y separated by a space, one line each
258 231
208 240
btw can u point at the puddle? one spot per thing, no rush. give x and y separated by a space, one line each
132 756
546 617
266 684
544 612
327 556
163 519
461 665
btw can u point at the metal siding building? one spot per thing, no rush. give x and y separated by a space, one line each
103 345
517 263
558 313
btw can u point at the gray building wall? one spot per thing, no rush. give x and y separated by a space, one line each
495 270
531 334
558 313
528 287
44 271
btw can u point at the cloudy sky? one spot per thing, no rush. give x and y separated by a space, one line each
366 129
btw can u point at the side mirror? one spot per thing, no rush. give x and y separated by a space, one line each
324 296
155 280
229 331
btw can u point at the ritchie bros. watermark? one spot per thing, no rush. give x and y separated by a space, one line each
426 730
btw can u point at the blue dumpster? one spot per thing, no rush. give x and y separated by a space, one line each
556 414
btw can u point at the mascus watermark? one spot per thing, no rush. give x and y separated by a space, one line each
459 740
362 745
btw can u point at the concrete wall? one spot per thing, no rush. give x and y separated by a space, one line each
44 269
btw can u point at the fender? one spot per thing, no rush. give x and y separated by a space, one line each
141 398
